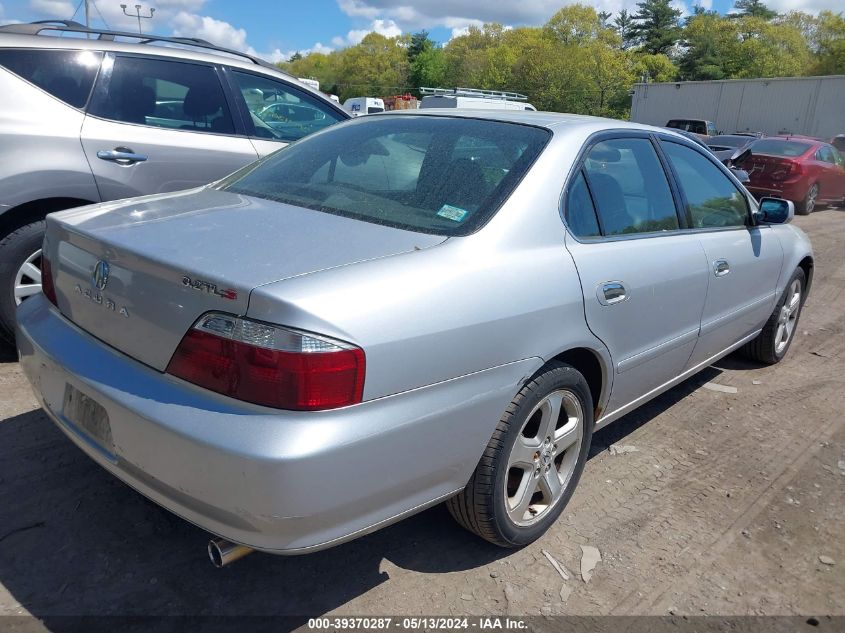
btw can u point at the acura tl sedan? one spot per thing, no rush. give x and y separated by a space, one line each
400 310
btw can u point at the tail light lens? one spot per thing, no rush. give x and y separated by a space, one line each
47 285
269 365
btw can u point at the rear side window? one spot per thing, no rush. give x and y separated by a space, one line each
580 213
629 187
712 199
282 112
165 94
445 176
825 154
67 75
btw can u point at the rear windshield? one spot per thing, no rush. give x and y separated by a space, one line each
728 141
775 147
696 127
445 176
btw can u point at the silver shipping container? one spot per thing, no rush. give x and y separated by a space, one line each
814 106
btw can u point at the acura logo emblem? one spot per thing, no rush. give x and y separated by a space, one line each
100 276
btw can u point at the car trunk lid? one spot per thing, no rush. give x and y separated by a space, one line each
763 168
168 259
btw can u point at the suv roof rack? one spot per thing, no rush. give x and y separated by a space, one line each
474 92
69 26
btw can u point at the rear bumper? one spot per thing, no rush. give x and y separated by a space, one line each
788 191
285 482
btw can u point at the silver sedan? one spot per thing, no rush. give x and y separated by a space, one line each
401 310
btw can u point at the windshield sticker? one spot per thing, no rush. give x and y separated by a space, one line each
452 213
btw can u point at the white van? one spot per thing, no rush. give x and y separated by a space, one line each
474 98
357 106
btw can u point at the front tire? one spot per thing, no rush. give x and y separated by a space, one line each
20 272
533 462
773 342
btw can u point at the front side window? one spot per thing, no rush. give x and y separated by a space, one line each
629 187
712 199
67 75
281 112
168 94
445 176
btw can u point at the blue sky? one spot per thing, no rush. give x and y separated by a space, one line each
276 29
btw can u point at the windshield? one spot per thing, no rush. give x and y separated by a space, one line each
445 176
777 147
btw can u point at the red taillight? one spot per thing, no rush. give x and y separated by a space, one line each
47 285
269 365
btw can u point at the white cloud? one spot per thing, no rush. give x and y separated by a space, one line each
705 4
808 6
448 13
385 27
207 28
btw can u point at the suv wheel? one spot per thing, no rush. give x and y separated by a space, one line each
532 463
20 272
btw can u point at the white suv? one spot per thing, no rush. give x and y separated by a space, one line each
91 120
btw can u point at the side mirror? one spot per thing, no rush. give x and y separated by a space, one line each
741 175
776 211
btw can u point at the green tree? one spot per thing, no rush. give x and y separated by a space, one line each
420 42
709 43
656 25
376 66
577 24
754 8
624 25
295 57
653 68
429 68
830 53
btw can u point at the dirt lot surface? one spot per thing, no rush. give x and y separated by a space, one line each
729 504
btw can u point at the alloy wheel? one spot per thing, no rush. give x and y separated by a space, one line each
788 317
812 194
28 278
543 457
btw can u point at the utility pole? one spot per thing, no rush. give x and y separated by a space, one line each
87 14
137 14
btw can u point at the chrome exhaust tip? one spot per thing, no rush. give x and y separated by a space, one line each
223 552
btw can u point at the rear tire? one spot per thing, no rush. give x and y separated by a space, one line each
808 204
19 250
773 342
533 462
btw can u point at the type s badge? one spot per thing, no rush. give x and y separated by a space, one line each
209 288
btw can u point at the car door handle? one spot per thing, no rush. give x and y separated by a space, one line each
721 267
122 155
611 292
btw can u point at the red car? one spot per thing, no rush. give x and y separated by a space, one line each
797 168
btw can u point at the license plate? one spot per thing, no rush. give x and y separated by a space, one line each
88 415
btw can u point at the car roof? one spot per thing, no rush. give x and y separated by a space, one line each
549 120
186 52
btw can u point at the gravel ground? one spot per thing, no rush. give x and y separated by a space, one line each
730 504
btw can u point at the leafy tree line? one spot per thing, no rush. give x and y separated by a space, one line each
586 62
